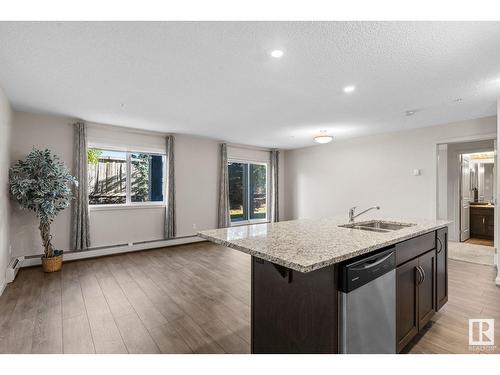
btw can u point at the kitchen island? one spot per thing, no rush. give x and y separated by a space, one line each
296 277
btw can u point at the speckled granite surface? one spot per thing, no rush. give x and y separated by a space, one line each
306 245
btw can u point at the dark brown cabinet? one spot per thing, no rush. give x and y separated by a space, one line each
415 296
441 267
426 287
406 303
482 222
295 312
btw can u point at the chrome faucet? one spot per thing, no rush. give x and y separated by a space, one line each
352 216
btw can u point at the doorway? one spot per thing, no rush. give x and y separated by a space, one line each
477 198
466 196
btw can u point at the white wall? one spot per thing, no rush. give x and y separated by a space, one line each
196 185
28 131
5 130
196 170
196 179
326 180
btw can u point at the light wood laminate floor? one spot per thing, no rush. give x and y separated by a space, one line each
472 253
185 299
480 241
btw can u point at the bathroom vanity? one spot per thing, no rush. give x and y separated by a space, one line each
482 220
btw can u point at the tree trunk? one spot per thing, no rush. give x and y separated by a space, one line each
46 240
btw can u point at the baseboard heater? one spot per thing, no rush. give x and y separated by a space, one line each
95 252
12 269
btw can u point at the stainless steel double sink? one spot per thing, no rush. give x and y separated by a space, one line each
377 226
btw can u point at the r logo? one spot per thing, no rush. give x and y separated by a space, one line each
482 332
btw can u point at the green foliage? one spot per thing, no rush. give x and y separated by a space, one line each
237 182
93 156
140 177
42 183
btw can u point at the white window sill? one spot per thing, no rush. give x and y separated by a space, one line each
139 206
249 222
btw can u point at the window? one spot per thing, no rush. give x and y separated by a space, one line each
247 191
120 178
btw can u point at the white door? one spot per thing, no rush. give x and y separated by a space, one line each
465 194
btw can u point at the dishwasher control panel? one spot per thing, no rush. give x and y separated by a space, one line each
361 271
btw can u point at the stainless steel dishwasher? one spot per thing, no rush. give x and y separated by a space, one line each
368 304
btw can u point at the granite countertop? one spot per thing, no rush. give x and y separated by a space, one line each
309 244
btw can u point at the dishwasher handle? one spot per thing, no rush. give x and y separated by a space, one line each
372 263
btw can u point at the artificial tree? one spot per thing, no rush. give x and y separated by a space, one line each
42 183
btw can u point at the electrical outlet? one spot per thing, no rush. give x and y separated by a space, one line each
194 226
10 249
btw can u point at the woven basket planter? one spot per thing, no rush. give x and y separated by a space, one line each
53 264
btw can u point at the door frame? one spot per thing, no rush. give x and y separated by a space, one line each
460 199
452 226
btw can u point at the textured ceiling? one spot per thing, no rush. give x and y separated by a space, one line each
217 79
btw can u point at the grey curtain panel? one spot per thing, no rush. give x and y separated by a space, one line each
80 228
223 219
170 225
274 188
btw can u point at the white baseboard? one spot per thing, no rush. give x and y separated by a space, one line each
111 250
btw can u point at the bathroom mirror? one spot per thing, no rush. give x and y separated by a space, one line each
482 180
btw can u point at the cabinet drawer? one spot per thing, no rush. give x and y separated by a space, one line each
414 247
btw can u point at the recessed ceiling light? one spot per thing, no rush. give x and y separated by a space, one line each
277 53
410 113
350 88
123 105
323 137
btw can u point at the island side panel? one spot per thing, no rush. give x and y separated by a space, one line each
293 312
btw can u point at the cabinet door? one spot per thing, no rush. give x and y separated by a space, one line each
476 224
490 228
426 287
441 267
406 303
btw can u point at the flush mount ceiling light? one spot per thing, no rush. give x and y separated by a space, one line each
410 113
277 53
349 88
323 137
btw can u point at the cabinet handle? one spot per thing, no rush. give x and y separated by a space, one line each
423 274
420 276
440 245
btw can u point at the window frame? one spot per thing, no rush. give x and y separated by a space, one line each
128 201
251 221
